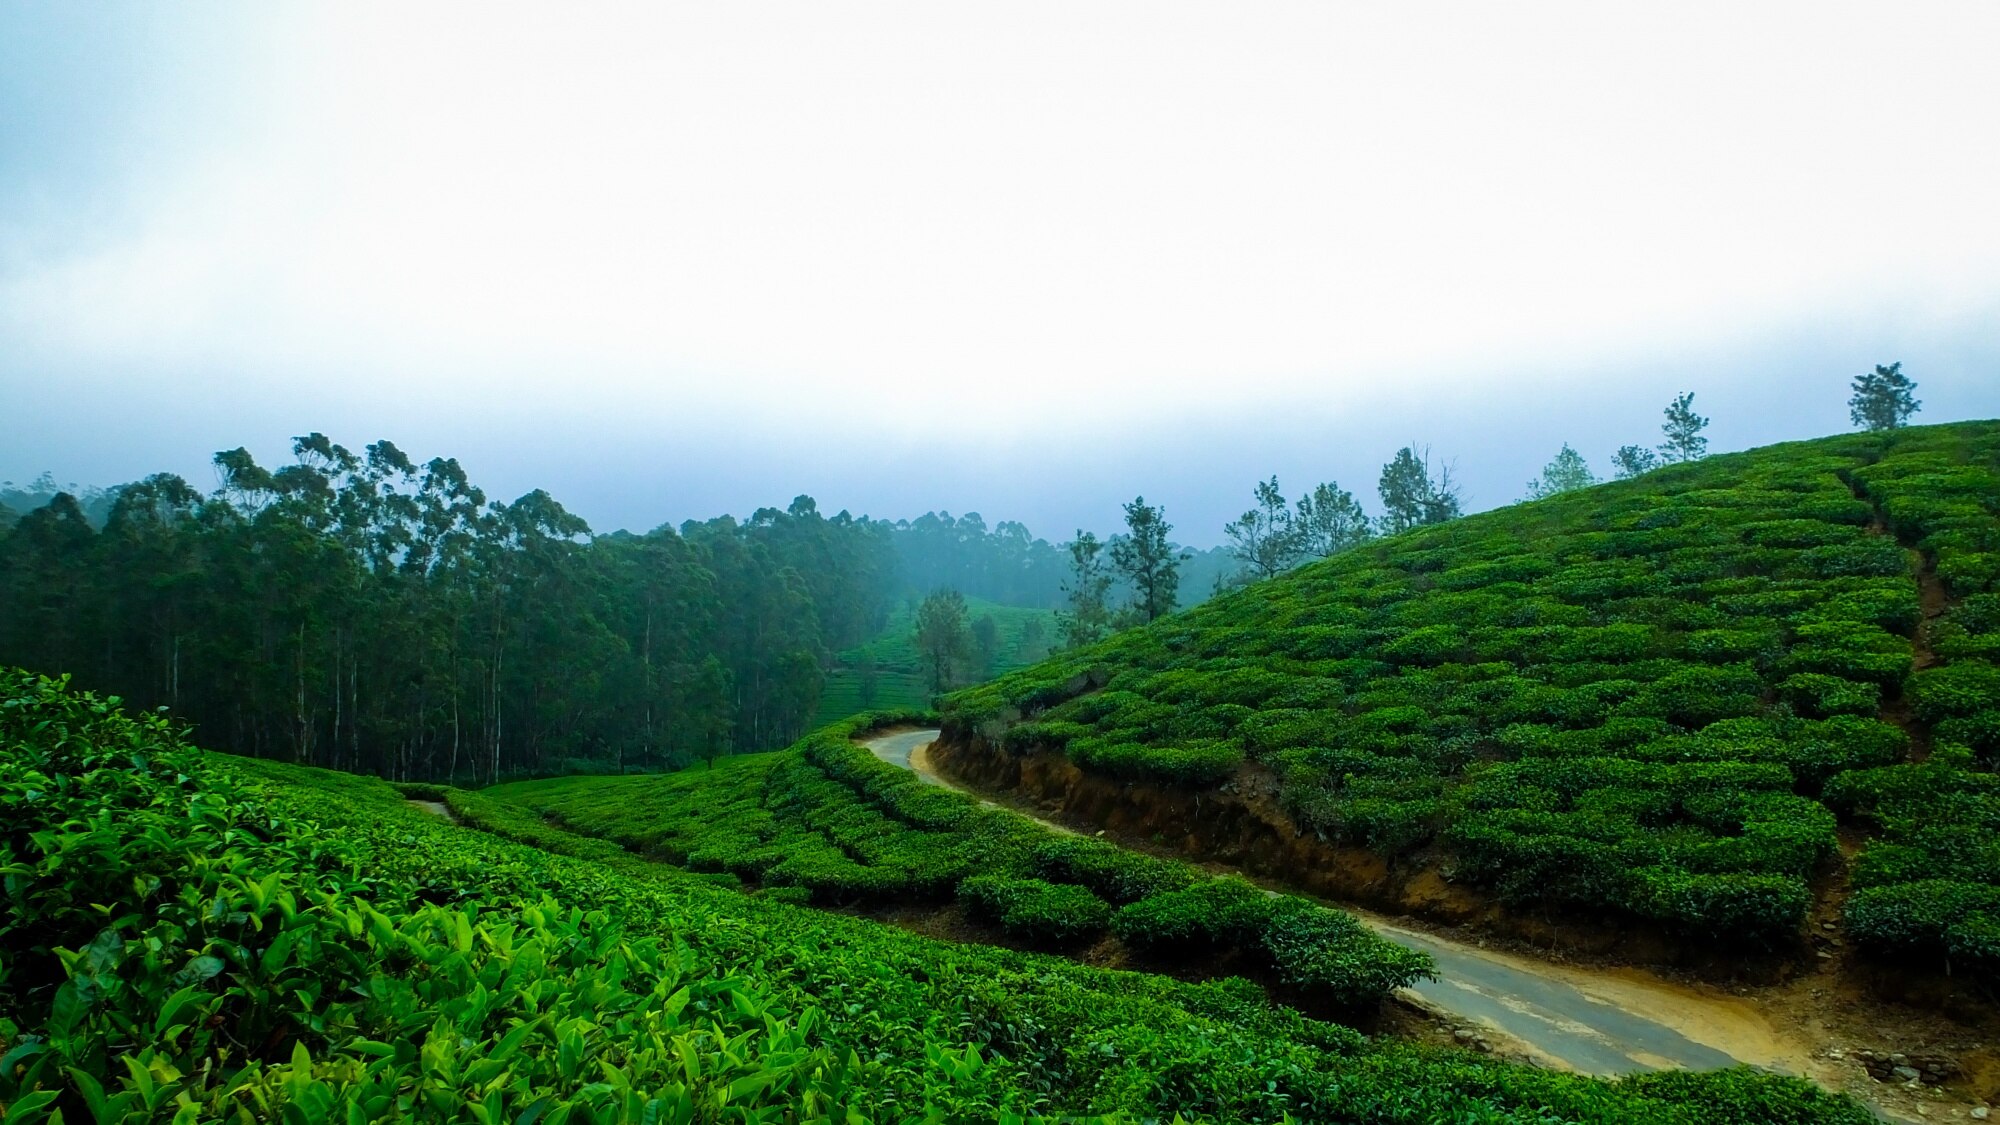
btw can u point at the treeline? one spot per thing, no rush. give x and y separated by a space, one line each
1007 563
374 614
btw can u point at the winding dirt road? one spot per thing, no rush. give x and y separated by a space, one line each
1604 1022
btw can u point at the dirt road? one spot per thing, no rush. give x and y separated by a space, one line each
1603 1022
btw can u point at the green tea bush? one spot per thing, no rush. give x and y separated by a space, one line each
1210 916
1047 914
1196 763
1953 690
1821 696
1109 871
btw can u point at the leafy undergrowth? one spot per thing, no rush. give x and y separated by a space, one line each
1639 698
191 938
828 822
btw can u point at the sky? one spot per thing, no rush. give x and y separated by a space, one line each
1032 260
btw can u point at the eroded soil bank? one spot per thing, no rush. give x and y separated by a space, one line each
1241 825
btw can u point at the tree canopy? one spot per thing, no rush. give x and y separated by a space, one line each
366 611
1412 496
1883 398
1566 473
1144 558
1683 429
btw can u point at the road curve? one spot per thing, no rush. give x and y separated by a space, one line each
1604 1023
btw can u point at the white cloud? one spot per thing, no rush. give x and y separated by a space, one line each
919 215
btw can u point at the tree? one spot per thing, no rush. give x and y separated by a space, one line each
1265 538
1683 429
986 642
1566 473
1631 460
942 636
1029 642
869 681
1411 497
1088 617
1882 398
1330 521
1146 560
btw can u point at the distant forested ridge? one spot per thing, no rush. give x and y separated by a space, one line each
372 613
1006 563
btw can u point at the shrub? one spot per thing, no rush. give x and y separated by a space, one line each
1330 955
1212 915
1954 689
1048 914
1111 872
1196 763
1821 695
1941 918
1763 910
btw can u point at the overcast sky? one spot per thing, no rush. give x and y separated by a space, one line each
1025 259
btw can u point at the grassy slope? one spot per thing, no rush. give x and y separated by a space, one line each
194 939
1642 696
900 680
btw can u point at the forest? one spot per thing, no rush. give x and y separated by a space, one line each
371 613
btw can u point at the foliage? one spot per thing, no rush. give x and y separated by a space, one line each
943 639
1411 496
891 663
1270 539
372 612
1683 429
1882 398
1086 616
1145 559
1567 473
830 817
1265 539
1052 914
1330 521
1632 460
194 938
1623 699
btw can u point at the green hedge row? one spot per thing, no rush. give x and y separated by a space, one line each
1046 914
832 820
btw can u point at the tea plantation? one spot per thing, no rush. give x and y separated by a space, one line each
1654 697
192 938
828 822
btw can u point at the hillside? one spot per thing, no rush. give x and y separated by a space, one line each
1653 706
197 938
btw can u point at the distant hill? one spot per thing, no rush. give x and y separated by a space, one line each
17 500
1649 705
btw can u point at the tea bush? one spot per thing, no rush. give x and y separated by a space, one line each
1756 608
841 826
1929 880
1041 913
196 939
